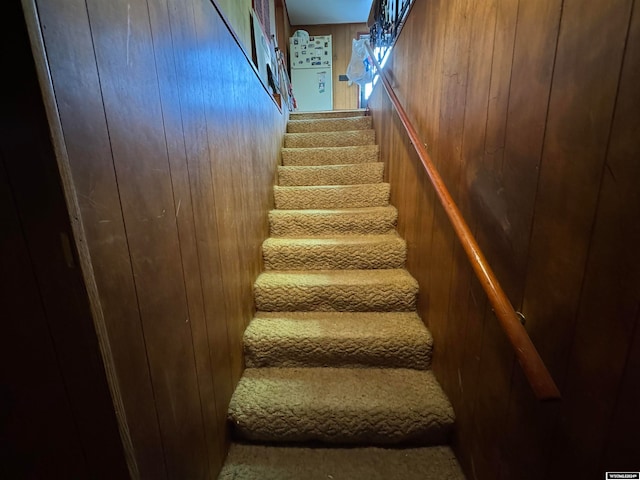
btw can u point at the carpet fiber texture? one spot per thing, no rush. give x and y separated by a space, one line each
345 221
349 252
330 155
332 196
256 462
338 339
330 139
331 174
341 405
329 124
338 360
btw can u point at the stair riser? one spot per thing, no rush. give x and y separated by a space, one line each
298 224
329 139
343 354
331 156
435 436
323 257
335 298
329 114
329 125
339 339
356 196
331 175
347 406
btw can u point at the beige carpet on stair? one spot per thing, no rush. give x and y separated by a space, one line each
337 252
295 223
256 462
338 339
329 125
337 355
330 155
331 174
330 139
336 290
341 405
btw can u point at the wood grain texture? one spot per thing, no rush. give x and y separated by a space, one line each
173 145
345 97
57 415
534 135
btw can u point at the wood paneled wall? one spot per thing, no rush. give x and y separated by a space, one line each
56 415
172 145
344 96
237 12
283 26
530 111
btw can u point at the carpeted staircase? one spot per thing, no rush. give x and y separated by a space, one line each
337 384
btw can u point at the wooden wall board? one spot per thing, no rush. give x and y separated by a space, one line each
609 300
487 209
620 260
453 92
537 35
82 113
183 176
482 34
58 417
38 437
283 27
122 43
173 120
536 119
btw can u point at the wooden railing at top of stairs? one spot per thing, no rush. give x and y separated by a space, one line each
534 368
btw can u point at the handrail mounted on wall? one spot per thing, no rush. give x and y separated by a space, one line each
534 368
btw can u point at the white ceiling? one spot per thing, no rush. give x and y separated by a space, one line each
320 12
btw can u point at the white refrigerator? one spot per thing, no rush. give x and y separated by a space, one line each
311 73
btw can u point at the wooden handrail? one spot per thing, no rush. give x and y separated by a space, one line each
534 368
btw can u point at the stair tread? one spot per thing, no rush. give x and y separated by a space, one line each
328 124
330 139
344 339
330 155
335 240
332 196
353 174
332 221
358 112
336 290
341 405
336 277
258 462
334 252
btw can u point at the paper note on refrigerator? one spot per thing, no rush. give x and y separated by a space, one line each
322 81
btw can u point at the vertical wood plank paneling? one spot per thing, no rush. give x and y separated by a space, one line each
37 196
173 125
537 114
191 90
219 115
483 17
528 421
571 168
489 205
122 39
465 322
428 120
173 144
74 74
610 292
50 444
455 68
620 203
